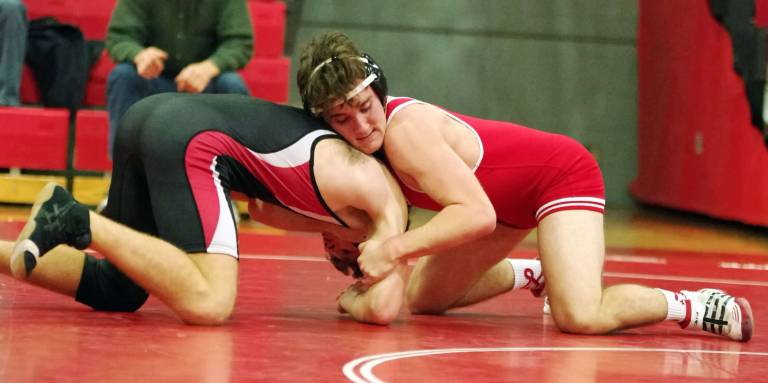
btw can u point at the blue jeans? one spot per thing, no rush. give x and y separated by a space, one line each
125 87
13 43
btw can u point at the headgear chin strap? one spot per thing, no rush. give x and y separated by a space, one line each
374 77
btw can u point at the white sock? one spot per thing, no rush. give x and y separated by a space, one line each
676 305
526 272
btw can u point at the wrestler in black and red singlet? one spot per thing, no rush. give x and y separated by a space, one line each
178 156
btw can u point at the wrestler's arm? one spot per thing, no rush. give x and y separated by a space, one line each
378 303
416 149
362 183
282 218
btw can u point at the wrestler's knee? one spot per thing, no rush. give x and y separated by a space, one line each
577 318
209 311
418 302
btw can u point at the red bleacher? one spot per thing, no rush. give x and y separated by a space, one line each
268 19
266 75
91 141
33 138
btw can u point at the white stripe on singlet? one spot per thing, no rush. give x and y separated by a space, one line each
592 202
295 154
224 240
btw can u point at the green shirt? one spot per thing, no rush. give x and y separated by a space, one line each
189 30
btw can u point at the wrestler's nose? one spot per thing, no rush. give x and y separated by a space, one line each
361 123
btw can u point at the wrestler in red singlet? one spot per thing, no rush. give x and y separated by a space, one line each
527 174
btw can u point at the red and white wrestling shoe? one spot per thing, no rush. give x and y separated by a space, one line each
715 311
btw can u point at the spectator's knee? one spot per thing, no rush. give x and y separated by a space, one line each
123 72
231 82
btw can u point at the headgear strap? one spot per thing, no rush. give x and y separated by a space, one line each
317 68
374 78
352 93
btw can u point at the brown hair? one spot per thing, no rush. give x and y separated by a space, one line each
321 84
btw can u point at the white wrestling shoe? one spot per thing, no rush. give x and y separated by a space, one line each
719 313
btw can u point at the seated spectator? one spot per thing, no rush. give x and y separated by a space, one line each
175 46
13 42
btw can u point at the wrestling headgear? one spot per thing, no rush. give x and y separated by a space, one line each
374 77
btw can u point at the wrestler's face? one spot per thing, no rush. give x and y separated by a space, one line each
360 120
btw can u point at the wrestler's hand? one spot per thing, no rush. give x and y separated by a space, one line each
376 261
348 295
342 254
195 77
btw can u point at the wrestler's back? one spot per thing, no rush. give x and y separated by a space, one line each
260 125
258 148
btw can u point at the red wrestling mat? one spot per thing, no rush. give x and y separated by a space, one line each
286 329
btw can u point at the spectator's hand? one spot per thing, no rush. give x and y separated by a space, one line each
150 62
195 77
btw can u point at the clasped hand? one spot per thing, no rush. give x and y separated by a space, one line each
370 260
376 260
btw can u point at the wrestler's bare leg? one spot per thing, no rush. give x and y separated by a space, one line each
200 287
572 251
58 271
464 275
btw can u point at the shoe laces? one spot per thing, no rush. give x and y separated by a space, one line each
717 311
51 218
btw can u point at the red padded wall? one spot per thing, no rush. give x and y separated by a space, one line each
697 149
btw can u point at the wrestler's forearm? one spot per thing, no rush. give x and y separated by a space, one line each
450 227
380 303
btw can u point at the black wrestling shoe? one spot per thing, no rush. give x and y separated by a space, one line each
56 219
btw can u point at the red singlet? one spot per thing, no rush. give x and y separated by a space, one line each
528 174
